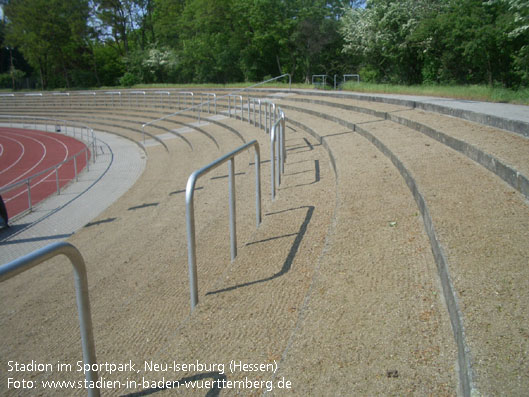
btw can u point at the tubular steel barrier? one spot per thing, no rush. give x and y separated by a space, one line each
162 94
322 76
84 131
136 94
59 94
185 94
190 211
112 93
351 75
89 93
208 94
345 79
199 106
234 96
35 258
277 145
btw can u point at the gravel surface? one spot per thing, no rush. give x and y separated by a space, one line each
336 292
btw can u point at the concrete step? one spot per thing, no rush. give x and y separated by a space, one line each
375 307
470 208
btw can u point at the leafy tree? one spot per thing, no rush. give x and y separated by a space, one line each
51 34
165 16
518 31
381 36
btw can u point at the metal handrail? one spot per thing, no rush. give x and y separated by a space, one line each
324 76
190 210
185 93
352 75
207 94
234 96
277 145
112 93
136 93
89 93
50 170
162 93
89 130
57 94
35 258
224 96
344 78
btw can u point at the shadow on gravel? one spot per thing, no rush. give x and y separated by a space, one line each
290 257
226 176
143 206
183 191
190 382
108 220
316 176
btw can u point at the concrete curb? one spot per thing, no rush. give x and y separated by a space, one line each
512 125
509 174
456 318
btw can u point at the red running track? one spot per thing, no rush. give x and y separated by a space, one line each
24 153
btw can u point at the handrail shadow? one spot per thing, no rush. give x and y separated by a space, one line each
290 257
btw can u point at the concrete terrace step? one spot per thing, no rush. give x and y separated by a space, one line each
122 273
374 307
500 151
139 287
252 309
470 208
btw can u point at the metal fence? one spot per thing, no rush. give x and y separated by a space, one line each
190 209
51 174
319 80
345 77
35 258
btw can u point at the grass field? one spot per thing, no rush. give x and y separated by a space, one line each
470 92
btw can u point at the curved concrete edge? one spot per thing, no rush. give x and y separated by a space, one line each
321 140
454 312
517 126
331 231
456 318
509 174
116 170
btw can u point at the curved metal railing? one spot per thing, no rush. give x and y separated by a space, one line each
190 208
37 257
83 132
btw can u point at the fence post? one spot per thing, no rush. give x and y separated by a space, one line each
75 167
30 207
190 210
257 159
233 222
57 180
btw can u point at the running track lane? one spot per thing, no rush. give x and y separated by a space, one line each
24 153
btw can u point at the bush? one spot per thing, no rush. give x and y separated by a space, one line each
369 74
128 80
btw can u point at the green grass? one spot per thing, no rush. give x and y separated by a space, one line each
468 92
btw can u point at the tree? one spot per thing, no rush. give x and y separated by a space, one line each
51 34
381 36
